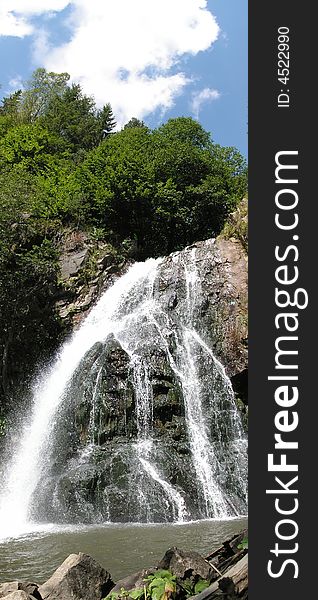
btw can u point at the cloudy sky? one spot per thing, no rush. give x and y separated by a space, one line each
152 59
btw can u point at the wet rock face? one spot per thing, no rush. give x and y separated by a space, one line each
103 405
103 471
105 460
221 311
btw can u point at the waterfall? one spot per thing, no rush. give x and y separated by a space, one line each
30 459
137 470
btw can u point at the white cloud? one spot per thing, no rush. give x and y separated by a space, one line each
199 98
15 14
11 25
124 51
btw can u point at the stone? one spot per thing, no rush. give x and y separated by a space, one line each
134 581
185 564
80 577
17 595
14 587
32 589
71 263
7 588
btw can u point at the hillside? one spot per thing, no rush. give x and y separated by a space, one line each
80 200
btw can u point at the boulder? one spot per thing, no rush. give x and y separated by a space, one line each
80 577
32 589
7 588
17 595
134 581
185 564
13 587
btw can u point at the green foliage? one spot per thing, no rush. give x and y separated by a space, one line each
244 544
144 192
162 585
138 593
201 585
28 272
72 117
237 224
11 104
135 594
10 112
134 122
158 586
39 91
114 186
165 188
106 119
192 588
31 146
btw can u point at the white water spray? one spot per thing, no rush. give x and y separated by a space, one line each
29 460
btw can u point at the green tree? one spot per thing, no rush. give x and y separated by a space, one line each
10 112
72 116
163 188
115 185
28 271
134 122
211 179
41 88
11 104
181 152
106 120
31 146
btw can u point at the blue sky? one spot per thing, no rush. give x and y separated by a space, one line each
151 59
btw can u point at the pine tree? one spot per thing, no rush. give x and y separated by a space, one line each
106 119
11 104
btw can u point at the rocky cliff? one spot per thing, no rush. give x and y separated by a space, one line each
101 462
87 269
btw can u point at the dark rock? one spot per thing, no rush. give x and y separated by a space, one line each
32 589
71 264
240 385
173 301
134 581
80 577
185 564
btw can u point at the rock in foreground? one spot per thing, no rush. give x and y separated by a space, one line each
80 577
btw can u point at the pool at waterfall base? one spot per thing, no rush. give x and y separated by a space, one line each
120 549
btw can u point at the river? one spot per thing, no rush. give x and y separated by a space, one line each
121 549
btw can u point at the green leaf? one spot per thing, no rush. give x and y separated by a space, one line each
157 592
244 544
165 574
201 585
136 594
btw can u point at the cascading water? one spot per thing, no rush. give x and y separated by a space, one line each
136 419
144 445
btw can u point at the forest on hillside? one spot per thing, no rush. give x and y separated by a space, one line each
65 164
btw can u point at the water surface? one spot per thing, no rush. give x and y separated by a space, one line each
121 549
